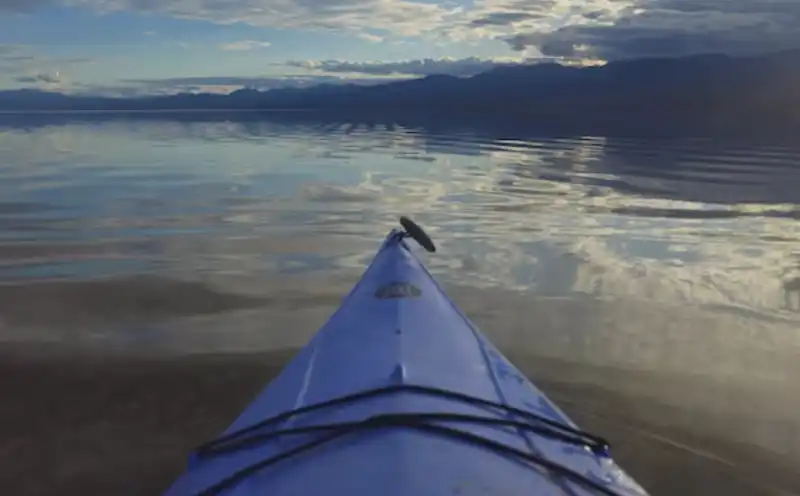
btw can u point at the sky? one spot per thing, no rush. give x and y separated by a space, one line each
132 47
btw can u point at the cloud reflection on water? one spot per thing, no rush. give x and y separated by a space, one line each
675 220
661 255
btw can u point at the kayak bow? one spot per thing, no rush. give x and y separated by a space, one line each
399 394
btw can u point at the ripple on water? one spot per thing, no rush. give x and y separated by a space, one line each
510 205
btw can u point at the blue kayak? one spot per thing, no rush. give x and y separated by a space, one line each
399 394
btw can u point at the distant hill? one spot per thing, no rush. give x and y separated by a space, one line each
704 90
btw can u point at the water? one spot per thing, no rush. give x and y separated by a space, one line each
661 255
232 207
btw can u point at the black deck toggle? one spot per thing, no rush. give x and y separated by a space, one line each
416 232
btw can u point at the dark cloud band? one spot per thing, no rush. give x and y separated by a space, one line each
675 28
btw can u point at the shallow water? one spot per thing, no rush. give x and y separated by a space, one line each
673 260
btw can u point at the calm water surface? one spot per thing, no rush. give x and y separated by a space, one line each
248 207
672 256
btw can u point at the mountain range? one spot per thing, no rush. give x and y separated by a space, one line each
697 91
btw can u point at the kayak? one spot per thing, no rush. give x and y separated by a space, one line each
399 394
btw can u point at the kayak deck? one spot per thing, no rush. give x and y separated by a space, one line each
424 371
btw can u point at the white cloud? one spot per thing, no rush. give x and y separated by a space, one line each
607 29
503 18
23 65
672 27
42 77
371 38
244 45
211 84
422 67
404 17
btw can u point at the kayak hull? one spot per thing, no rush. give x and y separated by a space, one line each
397 327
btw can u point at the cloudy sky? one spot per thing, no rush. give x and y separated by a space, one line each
157 46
